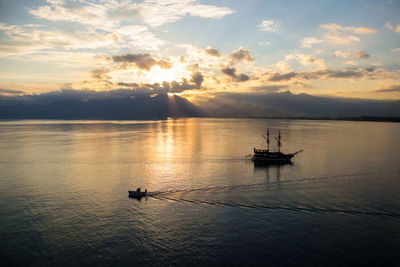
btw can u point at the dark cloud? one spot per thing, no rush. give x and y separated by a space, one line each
270 88
166 87
241 54
342 73
390 89
368 73
197 78
100 73
128 84
142 61
276 77
231 72
212 52
242 78
346 54
361 55
178 87
11 92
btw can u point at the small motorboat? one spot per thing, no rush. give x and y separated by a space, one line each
138 194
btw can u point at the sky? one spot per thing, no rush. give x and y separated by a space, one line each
201 49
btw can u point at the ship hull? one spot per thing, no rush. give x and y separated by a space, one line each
268 159
265 156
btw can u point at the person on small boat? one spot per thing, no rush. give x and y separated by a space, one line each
138 190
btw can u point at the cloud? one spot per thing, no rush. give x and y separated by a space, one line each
100 74
26 40
393 28
212 51
197 78
241 54
142 61
350 62
164 64
283 66
91 14
308 42
341 74
307 60
277 77
361 54
174 86
371 73
347 54
137 37
23 39
178 87
231 72
270 88
164 87
157 13
341 40
268 26
390 89
344 35
110 14
10 92
344 54
336 28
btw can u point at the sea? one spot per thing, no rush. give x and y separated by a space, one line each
64 193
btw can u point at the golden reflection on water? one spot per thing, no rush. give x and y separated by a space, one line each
68 182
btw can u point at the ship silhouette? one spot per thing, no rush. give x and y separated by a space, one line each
266 156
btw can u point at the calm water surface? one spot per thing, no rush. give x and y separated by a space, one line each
64 199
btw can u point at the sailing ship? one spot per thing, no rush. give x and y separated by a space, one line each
272 157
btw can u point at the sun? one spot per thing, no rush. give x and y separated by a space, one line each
155 75
159 75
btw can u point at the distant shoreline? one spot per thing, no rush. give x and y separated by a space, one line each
362 118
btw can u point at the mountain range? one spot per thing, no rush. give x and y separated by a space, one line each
74 104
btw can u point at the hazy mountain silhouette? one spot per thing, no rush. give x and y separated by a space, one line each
237 108
286 104
133 107
130 104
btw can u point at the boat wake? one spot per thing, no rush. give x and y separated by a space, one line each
232 187
169 196
287 208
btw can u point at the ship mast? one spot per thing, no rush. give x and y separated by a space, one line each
267 139
278 140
